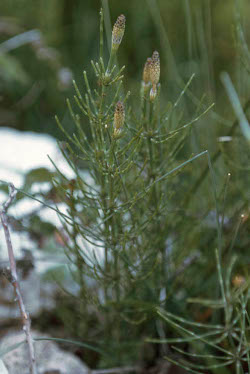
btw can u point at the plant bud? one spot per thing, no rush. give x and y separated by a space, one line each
117 133
152 94
155 69
118 32
154 73
119 115
238 280
146 71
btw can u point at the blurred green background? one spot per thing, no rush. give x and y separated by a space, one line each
36 69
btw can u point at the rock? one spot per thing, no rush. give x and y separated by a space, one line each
37 296
49 357
3 369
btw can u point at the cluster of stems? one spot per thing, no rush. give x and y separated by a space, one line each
117 219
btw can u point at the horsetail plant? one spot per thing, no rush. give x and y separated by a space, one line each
118 32
117 219
119 117
154 74
117 35
146 71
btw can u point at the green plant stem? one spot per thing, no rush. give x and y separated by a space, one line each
112 221
114 244
101 33
107 21
79 263
148 112
106 230
111 61
103 94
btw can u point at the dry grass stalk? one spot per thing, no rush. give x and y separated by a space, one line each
14 280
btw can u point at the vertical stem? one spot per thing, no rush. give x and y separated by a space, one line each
14 280
112 223
106 261
113 230
103 94
79 262
101 33
111 61
153 152
222 287
107 22
106 230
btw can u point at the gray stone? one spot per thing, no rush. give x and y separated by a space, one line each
49 357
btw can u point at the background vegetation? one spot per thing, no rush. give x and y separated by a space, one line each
207 208
192 36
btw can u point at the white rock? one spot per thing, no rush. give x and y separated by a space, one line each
37 295
3 369
21 152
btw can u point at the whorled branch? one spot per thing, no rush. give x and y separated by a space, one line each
14 280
